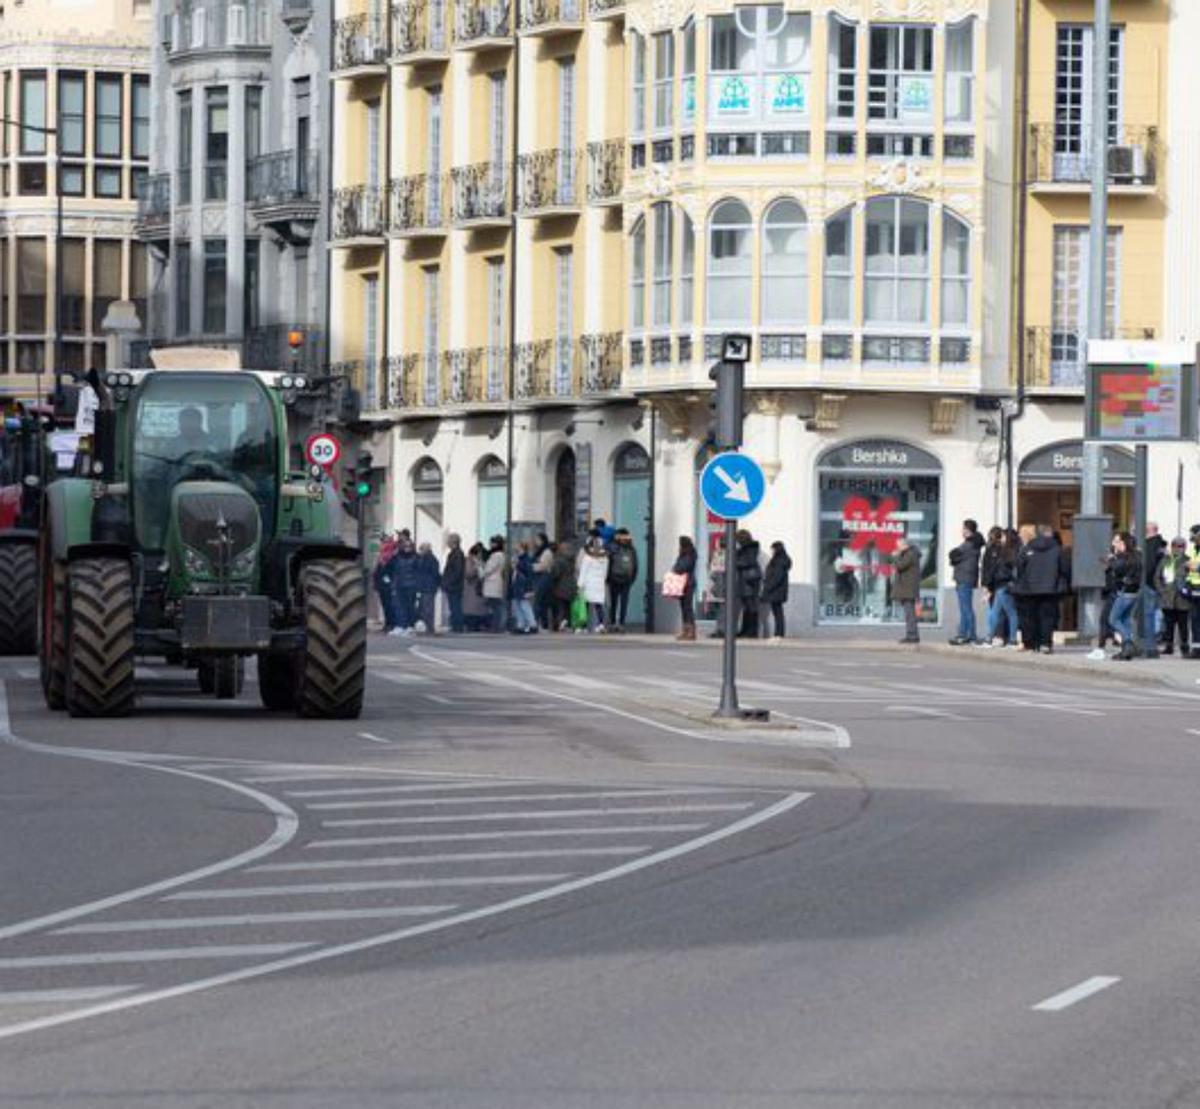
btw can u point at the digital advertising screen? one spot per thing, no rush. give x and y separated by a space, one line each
1155 402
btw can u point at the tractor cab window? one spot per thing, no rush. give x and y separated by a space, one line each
218 428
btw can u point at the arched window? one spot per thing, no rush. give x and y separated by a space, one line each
897 282
637 277
730 264
660 297
956 271
687 271
638 122
785 264
839 267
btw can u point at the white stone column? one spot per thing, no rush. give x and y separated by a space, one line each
235 208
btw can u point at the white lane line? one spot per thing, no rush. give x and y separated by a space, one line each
59 997
924 710
579 681
151 955
547 814
1075 994
460 857
374 738
406 678
437 699
522 901
183 924
424 787
1193 731
364 887
528 833
499 799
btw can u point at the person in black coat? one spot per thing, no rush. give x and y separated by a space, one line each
775 586
965 562
454 580
749 583
1037 581
685 563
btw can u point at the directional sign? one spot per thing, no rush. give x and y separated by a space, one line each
323 450
732 486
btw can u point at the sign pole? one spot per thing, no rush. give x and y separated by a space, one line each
1141 492
729 707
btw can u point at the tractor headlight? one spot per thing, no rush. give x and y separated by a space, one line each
287 381
196 564
243 565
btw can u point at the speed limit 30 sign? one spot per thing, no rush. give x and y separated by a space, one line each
322 450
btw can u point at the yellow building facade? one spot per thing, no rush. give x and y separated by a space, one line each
82 72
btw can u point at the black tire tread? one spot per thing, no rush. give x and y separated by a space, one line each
333 661
18 599
100 659
54 661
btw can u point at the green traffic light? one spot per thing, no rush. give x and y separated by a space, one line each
364 488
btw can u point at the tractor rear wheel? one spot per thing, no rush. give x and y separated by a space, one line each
333 662
53 648
277 681
100 651
18 599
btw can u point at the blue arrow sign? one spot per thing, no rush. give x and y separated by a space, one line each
732 486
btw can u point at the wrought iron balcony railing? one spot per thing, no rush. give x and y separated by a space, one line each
537 15
418 204
154 201
283 178
420 27
1061 154
475 375
546 369
359 40
1057 357
361 374
603 355
547 180
606 171
359 211
478 21
606 9
480 193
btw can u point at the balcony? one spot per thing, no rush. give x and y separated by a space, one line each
360 45
602 363
412 381
418 206
154 208
476 375
420 32
480 195
221 26
269 348
549 18
359 215
548 183
606 171
361 374
282 190
482 24
1057 358
1060 160
606 9
546 370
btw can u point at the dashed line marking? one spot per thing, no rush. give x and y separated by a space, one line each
186 923
374 738
59 997
153 955
548 814
459 857
525 833
1075 994
363 887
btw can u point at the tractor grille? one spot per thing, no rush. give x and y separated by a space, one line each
198 516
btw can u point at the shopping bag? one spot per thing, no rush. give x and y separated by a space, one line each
579 612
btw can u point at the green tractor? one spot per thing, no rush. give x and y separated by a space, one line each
190 541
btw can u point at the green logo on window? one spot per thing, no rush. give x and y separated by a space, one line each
735 96
791 94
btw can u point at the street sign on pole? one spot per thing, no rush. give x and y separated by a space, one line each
732 485
322 449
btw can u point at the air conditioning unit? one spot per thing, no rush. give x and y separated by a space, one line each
1127 165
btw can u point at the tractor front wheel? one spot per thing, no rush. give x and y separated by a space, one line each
18 599
333 662
100 650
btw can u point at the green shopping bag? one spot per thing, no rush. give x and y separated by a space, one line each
579 611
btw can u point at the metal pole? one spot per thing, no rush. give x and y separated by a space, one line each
651 538
729 699
510 446
1141 494
1092 500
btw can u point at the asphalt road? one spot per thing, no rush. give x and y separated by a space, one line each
533 875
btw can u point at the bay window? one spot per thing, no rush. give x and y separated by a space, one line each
956 271
785 264
687 270
637 277
900 91
897 262
660 311
839 267
730 264
664 81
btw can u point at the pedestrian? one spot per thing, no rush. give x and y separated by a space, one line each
382 579
1064 578
543 560
1129 579
404 586
996 576
622 573
749 582
521 591
906 587
965 562
1192 586
1171 583
775 587
592 582
1155 549
685 567
562 585
493 584
1026 619
454 578
715 592
602 530
429 580
1036 580
475 610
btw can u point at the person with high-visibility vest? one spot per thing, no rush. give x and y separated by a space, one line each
1193 586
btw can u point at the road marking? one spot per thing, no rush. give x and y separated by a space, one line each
1075 994
644 810
51 997
424 787
1193 731
924 710
579 681
152 955
494 799
437 699
307 958
462 857
176 923
529 833
363 887
374 738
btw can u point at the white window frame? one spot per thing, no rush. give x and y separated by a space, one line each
959 83
887 95
431 289
637 276
637 125
663 52
741 277
837 74
687 74
789 273
687 270
660 293
839 275
952 280
897 277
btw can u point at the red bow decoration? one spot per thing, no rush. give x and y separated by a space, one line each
868 525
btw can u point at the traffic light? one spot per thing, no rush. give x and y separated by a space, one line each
362 475
729 376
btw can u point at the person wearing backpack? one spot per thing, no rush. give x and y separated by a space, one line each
622 573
